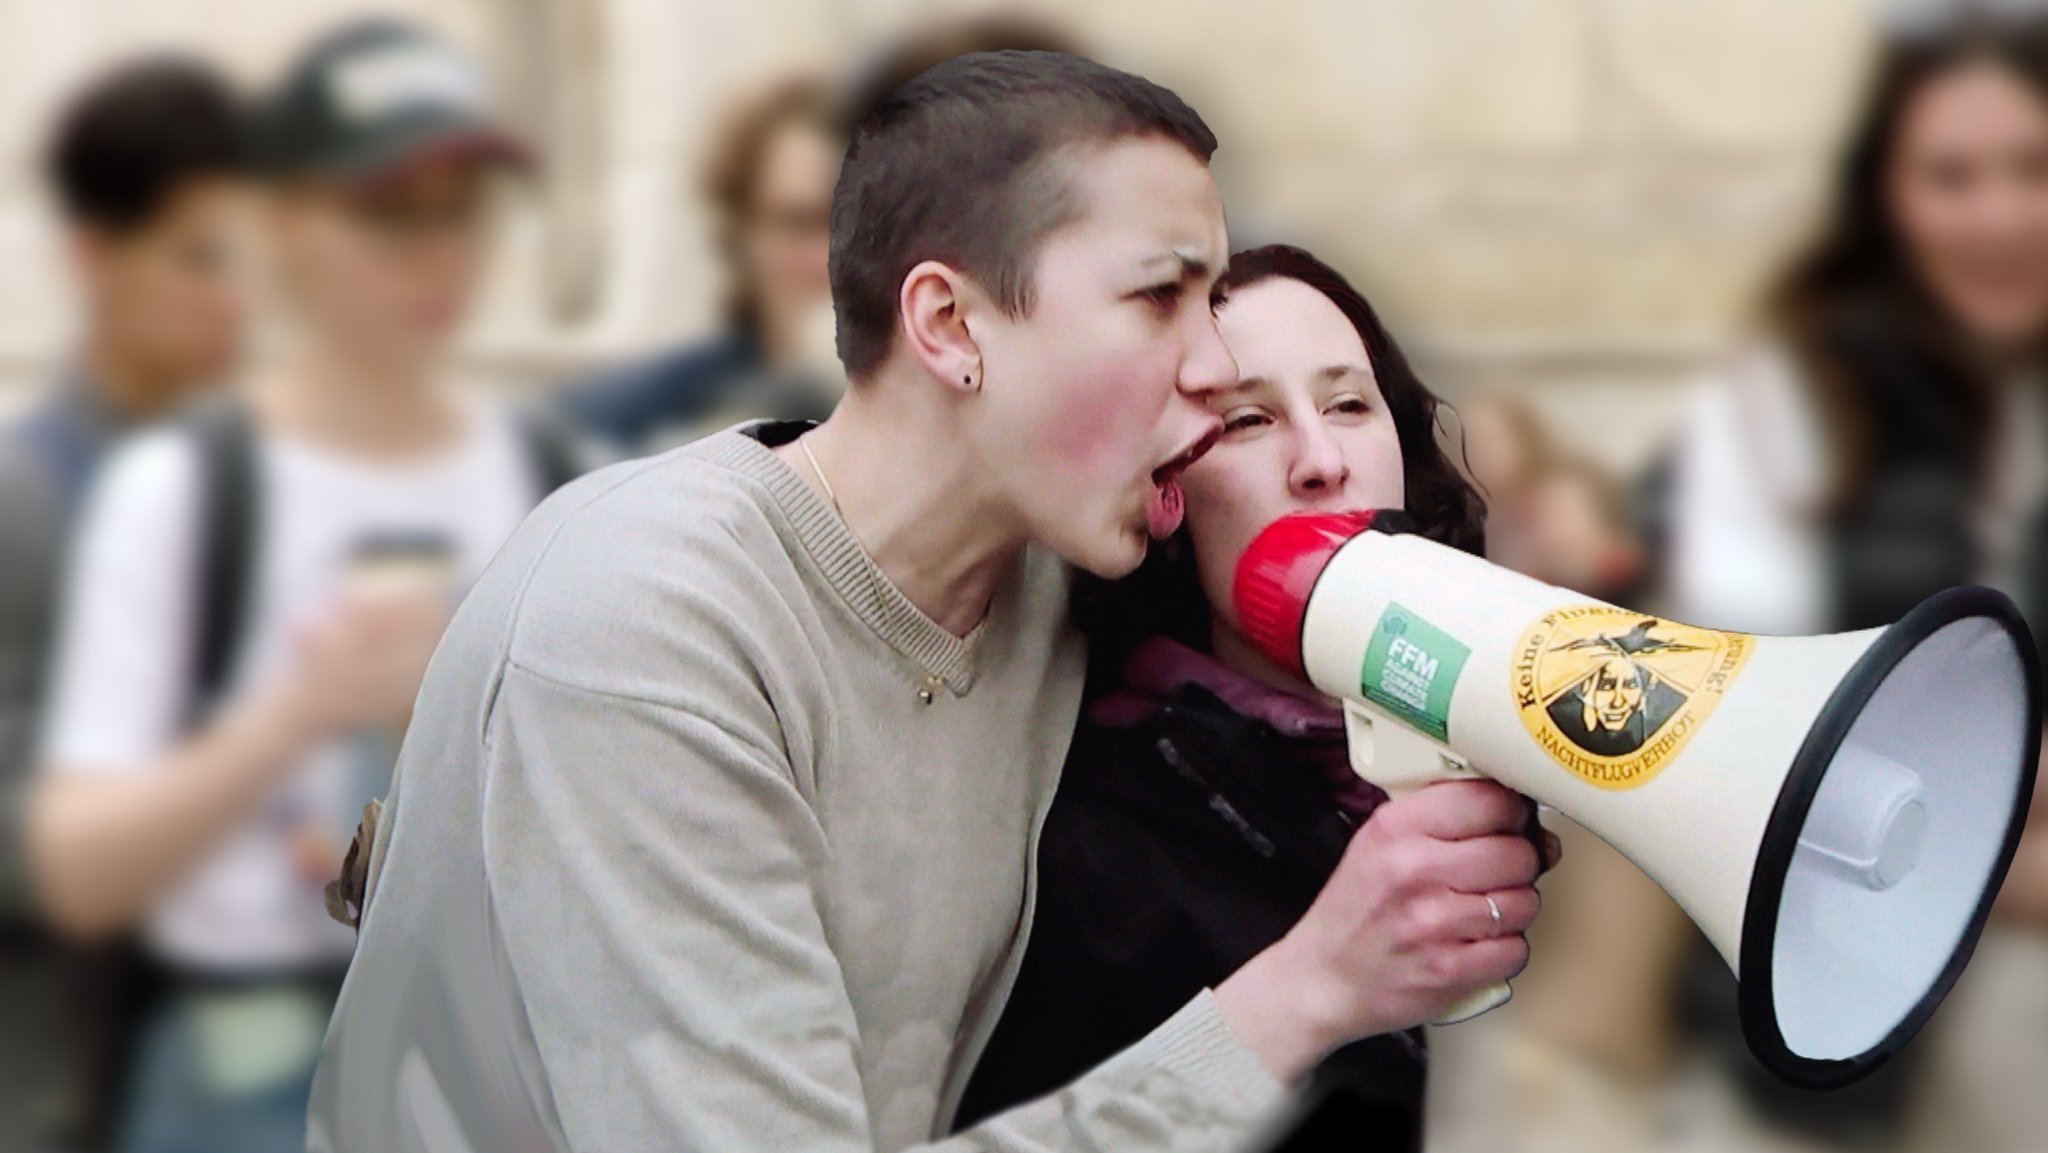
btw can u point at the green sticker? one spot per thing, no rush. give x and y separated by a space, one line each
1411 666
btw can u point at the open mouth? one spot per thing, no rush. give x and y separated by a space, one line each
1173 468
1168 504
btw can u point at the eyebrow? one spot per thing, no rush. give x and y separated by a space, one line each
1329 374
1188 263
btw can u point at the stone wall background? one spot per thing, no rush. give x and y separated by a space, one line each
1572 198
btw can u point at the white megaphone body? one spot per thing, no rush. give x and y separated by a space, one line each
1835 812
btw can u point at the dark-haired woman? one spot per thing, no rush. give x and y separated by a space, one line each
1891 439
1208 795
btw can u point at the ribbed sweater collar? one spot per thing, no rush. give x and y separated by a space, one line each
879 604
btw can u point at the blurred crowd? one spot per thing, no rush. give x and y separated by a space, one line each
225 571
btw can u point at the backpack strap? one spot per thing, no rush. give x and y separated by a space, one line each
231 512
229 504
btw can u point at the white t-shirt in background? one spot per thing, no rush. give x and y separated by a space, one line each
1752 469
122 687
1749 551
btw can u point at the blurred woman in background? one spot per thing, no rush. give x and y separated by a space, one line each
1550 514
1888 441
768 181
1208 794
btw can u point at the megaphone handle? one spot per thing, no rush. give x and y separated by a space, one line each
1484 1001
1400 760
1480 1001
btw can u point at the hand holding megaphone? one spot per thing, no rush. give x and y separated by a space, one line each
1427 904
1836 813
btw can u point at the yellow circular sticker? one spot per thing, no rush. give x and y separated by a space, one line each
1614 695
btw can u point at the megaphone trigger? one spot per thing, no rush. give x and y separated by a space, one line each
1396 758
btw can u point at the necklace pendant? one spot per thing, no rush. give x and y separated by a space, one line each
925 695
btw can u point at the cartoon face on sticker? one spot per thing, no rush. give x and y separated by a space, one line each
1614 695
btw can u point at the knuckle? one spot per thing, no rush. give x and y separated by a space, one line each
1491 793
1430 919
1525 905
1514 812
1396 816
1511 861
1401 862
1440 969
1423 870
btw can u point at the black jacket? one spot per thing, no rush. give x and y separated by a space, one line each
1178 846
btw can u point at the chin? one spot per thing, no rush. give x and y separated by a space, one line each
1111 554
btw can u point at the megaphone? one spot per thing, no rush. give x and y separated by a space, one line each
1837 813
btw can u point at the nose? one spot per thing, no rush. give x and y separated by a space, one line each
1207 366
1319 468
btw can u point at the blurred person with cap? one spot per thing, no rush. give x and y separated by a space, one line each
1889 439
144 166
257 586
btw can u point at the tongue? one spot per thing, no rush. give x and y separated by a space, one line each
1163 511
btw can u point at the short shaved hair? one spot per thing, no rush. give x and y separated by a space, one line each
961 165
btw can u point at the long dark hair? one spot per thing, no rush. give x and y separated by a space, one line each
1852 303
1164 596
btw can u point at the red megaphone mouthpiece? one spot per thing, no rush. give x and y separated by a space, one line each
1277 573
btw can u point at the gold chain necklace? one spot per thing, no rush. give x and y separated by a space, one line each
928 691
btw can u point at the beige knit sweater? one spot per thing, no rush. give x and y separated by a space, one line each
679 860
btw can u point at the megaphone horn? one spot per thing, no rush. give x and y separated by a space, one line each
1837 813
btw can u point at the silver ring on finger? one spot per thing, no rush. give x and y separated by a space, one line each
1493 911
